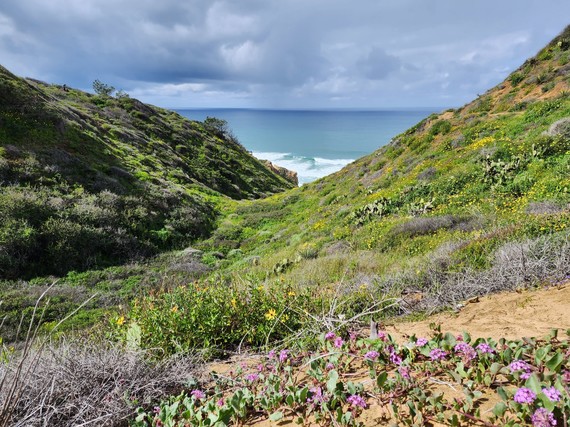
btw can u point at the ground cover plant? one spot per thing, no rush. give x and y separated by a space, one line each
452 380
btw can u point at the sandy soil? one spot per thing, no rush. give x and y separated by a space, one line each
529 313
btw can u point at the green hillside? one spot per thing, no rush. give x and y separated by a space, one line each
463 182
469 201
178 243
91 180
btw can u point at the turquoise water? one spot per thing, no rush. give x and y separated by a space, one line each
312 143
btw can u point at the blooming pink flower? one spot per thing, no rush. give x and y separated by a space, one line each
420 342
329 336
524 395
338 342
329 367
283 355
356 401
466 351
252 377
543 418
317 396
394 356
437 354
271 354
552 393
220 402
485 348
404 372
519 365
198 394
371 355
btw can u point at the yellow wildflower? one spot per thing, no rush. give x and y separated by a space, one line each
174 309
121 320
234 302
271 314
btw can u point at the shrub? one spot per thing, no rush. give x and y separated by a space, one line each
216 316
102 89
516 78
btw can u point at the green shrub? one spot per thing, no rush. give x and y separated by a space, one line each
516 78
216 316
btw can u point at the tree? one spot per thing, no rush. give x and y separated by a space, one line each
217 126
102 89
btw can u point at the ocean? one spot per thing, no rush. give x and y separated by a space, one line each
312 143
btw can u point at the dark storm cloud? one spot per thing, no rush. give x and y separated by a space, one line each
270 52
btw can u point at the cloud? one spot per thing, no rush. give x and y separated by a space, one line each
278 53
378 64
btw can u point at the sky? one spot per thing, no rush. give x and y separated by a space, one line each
298 54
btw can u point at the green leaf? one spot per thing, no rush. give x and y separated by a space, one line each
554 362
276 416
303 393
500 409
133 336
381 379
502 394
455 376
541 353
546 402
533 383
332 382
495 368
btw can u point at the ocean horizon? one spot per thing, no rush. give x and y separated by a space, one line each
313 143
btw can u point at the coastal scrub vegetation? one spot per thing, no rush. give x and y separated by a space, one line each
170 242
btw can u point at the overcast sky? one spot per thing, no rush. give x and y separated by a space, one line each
279 53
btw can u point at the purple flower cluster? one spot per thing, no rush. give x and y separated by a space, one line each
330 336
524 395
521 365
465 350
371 355
198 394
338 342
356 401
395 358
252 377
552 393
543 418
283 355
437 354
404 372
420 342
317 396
485 348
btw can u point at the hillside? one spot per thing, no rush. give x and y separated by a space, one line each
468 203
92 180
448 200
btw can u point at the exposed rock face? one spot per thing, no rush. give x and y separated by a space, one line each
290 176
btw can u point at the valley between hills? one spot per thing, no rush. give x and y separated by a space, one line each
154 273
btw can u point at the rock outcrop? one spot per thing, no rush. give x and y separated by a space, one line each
289 175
